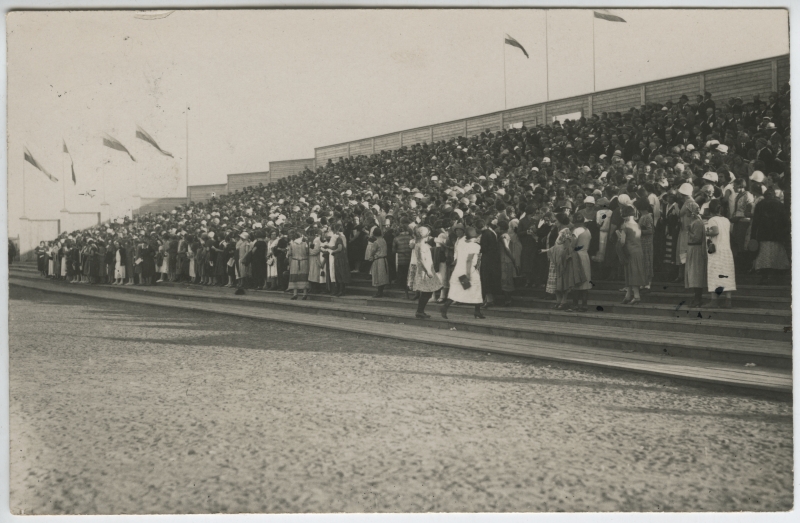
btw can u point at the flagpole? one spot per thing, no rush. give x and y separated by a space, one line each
64 184
187 154
505 89
594 64
23 217
546 56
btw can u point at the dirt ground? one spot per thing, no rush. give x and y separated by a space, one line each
123 409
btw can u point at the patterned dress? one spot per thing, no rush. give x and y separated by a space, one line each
425 282
298 265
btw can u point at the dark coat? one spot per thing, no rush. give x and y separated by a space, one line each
490 262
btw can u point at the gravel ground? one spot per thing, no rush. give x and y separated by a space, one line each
122 409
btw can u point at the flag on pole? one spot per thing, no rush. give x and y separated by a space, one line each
142 134
513 43
108 141
31 160
71 163
605 15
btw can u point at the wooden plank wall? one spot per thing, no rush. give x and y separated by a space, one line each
744 80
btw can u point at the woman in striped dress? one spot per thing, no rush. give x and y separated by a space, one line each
298 265
314 258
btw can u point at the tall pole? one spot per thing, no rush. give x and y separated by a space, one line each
187 154
24 217
64 178
594 65
505 89
546 56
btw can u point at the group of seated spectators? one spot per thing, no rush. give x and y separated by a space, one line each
697 192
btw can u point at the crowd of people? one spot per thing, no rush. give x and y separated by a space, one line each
694 191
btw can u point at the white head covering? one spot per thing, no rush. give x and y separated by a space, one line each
686 189
757 176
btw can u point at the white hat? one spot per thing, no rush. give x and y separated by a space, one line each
257 225
492 176
711 176
434 178
602 156
690 147
686 189
546 159
459 212
588 199
535 169
757 176
624 199
722 148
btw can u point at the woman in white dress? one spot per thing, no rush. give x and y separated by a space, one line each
721 272
465 282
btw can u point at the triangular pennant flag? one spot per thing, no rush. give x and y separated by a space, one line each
512 42
109 141
31 160
605 15
71 163
142 134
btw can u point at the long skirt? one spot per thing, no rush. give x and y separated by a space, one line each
341 268
683 245
298 274
739 236
586 265
772 255
552 276
647 253
192 273
444 275
669 250
380 272
696 275
314 266
64 266
165 264
721 271
425 283
119 271
507 273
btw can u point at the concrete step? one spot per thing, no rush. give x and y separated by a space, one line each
677 344
755 380
780 291
538 306
672 297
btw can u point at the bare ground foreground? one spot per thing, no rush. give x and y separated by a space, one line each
120 408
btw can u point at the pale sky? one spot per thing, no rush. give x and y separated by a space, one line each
272 85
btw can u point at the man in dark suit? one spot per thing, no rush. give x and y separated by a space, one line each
490 262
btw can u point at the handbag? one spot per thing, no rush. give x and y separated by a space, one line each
752 245
464 281
231 262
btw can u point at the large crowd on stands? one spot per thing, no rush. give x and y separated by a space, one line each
696 191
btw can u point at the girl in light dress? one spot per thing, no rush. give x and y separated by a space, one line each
721 272
465 281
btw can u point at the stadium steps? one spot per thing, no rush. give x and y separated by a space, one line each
673 295
759 379
731 347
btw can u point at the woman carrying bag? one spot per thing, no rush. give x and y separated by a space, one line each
465 281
